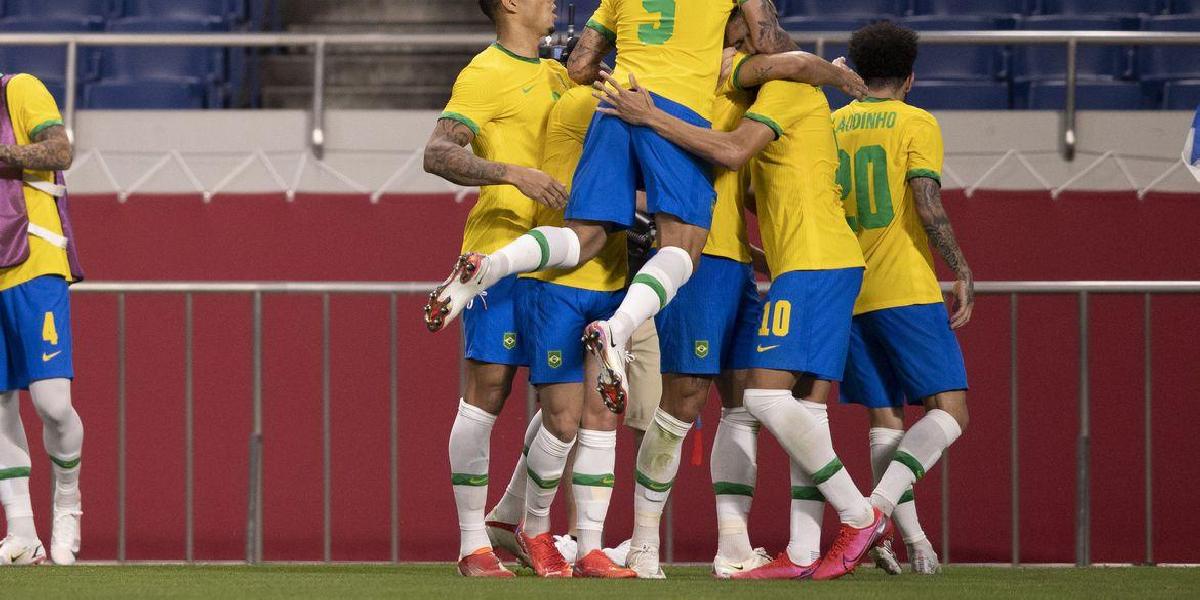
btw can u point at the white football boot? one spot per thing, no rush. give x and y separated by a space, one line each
567 546
620 554
923 558
644 561
65 534
724 568
612 383
448 300
885 558
16 550
504 536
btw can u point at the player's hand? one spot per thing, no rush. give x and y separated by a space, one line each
633 105
541 187
850 83
962 300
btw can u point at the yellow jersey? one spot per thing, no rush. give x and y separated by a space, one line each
672 47
565 131
504 99
727 236
883 144
32 110
800 212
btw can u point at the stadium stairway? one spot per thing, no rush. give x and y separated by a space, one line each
372 77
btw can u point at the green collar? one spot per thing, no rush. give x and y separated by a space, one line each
874 99
535 61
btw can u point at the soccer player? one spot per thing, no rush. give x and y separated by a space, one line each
39 261
902 344
677 46
499 105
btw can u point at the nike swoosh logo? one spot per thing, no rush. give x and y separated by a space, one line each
767 348
527 90
737 567
47 357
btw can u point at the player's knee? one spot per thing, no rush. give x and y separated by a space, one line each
561 425
592 237
52 401
888 418
954 403
684 397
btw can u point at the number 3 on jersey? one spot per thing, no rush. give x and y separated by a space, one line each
777 319
870 178
657 35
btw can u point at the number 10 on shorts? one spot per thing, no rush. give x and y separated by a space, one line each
776 319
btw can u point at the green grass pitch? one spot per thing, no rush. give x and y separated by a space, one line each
692 583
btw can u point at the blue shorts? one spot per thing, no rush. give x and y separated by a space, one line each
618 159
903 353
490 327
803 324
552 318
696 331
35 320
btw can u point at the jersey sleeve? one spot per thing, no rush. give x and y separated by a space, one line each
473 101
604 21
33 107
923 138
775 107
730 83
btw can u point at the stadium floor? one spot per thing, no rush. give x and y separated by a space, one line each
440 581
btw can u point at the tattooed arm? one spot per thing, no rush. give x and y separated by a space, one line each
447 157
928 199
584 64
765 33
50 150
801 67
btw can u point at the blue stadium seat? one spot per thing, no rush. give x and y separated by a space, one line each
93 11
1049 62
959 95
139 62
146 94
48 63
835 8
1181 95
970 7
1094 95
1095 7
222 11
958 62
1183 7
1161 63
838 24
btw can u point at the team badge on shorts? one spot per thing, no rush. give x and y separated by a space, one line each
554 359
510 340
701 348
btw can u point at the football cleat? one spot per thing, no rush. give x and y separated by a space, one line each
15 550
483 563
567 546
883 554
448 300
597 564
644 561
620 554
597 339
504 536
65 534
780 568
723 568
850 547
923 558
544 558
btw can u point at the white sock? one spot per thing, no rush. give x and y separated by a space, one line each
511 507
14 470
592 484
62 435
884 442
657 465
808 443
546 461
652 288
808 504
734 472
470 442
919 450
541 248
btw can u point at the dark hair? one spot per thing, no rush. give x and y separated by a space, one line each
489 8
883 53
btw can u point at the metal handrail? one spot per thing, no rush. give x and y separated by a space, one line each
319 43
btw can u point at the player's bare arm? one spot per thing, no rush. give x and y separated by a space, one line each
765 33
586 59
49 151
800 67
927 195
727 149
447 156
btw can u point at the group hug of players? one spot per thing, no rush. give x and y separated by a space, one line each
710 112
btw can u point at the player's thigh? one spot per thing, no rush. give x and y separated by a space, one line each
677 182
606 180
645 377
922 348
38 331
490 326
869 379
554 322
697 329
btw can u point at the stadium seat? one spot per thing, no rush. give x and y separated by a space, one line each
1049 62
969 7
836 24
959 95
958 62
145 94
836 8
1094 95
1095 7
139 62
1161 63
48 63
220 11
1183 7
95 12
1181 95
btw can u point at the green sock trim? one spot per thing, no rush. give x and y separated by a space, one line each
907 496
525 451
658 288
13 472
726 488
66 464
468 479
544 245
545 484
911 462
603 480
807 492
651 484
824 473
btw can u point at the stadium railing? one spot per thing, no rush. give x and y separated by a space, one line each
1083 290
318 45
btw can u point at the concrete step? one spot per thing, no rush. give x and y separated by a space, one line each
359 97
398 69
